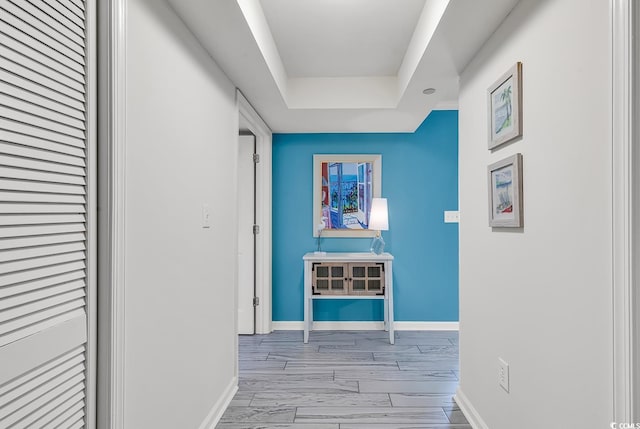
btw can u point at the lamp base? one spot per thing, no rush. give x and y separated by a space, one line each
377 245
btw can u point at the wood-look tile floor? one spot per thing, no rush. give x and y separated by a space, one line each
347 380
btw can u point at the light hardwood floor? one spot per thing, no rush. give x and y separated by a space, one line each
347 380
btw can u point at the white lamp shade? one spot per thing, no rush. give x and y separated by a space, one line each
379 216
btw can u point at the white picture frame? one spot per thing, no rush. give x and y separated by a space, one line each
505 193
325 208
505 107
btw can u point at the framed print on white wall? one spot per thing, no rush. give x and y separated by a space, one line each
505 192
505 107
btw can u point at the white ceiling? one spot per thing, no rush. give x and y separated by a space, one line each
333 38
344 65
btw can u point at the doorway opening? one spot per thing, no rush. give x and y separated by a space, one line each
253 127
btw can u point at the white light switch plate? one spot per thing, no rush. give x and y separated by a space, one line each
503 374
206 216
451 216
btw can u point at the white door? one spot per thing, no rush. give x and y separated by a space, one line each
246 237
46 213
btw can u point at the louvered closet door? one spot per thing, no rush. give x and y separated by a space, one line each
44 212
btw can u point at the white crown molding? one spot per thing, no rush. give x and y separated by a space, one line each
622 134
112 179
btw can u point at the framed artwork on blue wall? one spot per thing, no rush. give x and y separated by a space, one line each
505 107
343 188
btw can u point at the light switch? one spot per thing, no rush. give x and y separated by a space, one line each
206 216
451 216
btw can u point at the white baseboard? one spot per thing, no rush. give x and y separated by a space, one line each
426 326
469 411
365 326
220 406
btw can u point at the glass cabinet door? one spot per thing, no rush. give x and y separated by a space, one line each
330 279
366 279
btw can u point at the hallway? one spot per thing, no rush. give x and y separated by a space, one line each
347 380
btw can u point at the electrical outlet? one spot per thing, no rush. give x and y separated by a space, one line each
206 216
452 216
503 374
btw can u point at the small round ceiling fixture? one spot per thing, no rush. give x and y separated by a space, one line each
429 91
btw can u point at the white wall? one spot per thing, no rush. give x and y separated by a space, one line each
540 297
181 138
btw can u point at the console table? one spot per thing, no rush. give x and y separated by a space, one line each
349 289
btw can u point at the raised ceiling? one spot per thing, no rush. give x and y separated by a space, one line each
344 65
352 38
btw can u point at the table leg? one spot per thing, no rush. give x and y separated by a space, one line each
307 302
389 278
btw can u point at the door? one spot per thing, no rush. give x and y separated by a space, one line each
46 213
246 236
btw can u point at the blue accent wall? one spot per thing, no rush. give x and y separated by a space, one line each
420 181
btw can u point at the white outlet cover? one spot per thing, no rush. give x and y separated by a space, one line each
206 216
503 374
452 216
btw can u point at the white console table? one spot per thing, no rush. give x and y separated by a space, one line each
312 258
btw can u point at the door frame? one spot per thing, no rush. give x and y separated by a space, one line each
625 112
248 115
112 23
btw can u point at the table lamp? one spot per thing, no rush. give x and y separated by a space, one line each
378 221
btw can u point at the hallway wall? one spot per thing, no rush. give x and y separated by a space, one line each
540 297
181 137
419 178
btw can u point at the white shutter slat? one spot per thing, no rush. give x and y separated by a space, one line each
73 412
38 100
37 399
74 394
39 154
10 267
31 297
35 252
42 305
18 243
41 198
11 137
39 132
31 164
73 280
79 4
34 219
26 27
33 197
35 378
54 25
65 12
66 83
27 118
41 208
59 18
17 329
38 88
76 355
26 276
54 188
29 46
44 113
70 5
78 425
40 176
39 230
